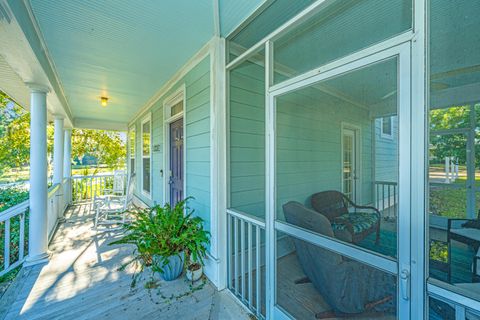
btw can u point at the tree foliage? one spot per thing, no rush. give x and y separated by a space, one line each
452 145
107 147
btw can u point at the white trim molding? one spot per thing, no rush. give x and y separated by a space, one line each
217 267
178 95
147 118
132 156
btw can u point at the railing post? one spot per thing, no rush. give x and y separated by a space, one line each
38 239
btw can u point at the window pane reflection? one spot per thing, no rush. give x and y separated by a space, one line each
334 157
454 150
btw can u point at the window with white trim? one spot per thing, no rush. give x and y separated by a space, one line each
146 155
386 127
131 141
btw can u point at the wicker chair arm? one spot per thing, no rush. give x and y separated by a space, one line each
356 206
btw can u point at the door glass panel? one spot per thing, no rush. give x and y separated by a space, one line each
454 144
247 136
310 123
349 164
338 29
313 283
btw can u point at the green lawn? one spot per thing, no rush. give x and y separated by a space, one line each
22 174
449 202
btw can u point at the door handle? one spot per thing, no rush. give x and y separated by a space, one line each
170 180
405 283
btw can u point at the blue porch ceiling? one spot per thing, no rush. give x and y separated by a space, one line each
125 50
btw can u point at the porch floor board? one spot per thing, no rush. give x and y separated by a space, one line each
82 281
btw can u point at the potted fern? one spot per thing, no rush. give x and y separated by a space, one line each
165 238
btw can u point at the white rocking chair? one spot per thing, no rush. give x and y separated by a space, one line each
118 188
112 209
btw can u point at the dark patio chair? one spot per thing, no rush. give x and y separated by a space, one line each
466 231
352 225
349 287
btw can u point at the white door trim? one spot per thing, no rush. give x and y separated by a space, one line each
357 158
177 96
147 118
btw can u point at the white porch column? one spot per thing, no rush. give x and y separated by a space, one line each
67 162
37 235
58 151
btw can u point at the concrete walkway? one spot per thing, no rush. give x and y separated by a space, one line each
82 281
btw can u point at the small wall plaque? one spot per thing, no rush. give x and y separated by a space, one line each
157 148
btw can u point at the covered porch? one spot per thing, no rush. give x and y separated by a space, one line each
82 280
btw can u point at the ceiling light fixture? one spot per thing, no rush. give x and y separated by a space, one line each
104 101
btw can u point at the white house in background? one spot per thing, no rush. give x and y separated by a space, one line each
257 109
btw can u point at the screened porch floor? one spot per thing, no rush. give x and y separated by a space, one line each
82 281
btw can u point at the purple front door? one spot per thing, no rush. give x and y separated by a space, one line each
176 161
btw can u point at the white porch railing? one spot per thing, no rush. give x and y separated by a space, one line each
13 249
15 225
58 201
246 257
85 188
386 198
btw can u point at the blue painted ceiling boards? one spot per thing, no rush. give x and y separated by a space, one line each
234 12
125 50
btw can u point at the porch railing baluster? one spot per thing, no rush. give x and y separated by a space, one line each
250 249
6 248
21 242
386 198
85 188
258 270
242 250
229 249
235 252
242 260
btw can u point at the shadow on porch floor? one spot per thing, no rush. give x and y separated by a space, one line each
81 281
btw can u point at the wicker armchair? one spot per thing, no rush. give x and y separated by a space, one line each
352 225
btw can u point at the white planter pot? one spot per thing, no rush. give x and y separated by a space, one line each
194 275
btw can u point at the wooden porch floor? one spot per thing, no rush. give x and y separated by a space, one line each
81 281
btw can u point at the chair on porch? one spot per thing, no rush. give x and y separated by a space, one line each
349 287
350 222
466 231
112 209
118 188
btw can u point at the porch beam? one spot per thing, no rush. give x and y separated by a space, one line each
37 234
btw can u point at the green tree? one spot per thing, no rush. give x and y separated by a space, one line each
9 111
452 145
15 142
107 147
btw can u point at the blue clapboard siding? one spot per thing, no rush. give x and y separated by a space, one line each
247 139
386 160
197 119
309 134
